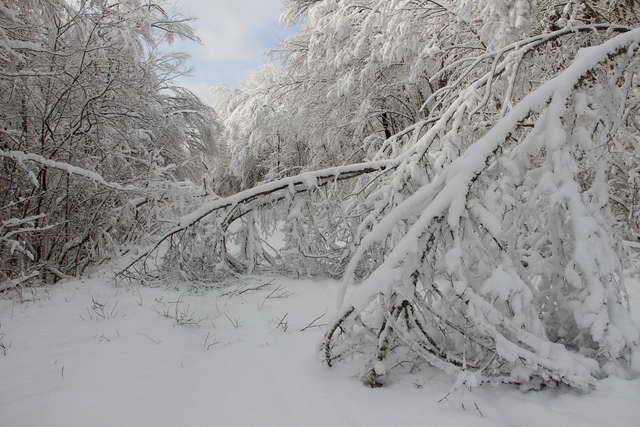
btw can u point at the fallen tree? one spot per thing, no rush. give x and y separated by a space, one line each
212 222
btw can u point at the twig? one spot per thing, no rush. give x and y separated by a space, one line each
285 325
113 309
283 294
257 288
207 347
138 333
141 300
182 316
445 397
478 409
240 290
3 346
311 325
234 322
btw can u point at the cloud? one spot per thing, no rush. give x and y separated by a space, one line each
235 34
199 87
233 30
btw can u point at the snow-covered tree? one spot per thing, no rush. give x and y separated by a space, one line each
353 75
84 88
357 72
485 237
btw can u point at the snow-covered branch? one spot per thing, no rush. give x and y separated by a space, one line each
230 208
484 261
21 157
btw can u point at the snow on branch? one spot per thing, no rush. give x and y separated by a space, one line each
230 208
470 281
13 283
21 157
522 47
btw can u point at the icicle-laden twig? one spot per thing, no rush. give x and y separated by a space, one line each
506 261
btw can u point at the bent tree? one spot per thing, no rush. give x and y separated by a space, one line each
484 240
509 269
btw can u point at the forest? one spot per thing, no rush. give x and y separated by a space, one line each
468 171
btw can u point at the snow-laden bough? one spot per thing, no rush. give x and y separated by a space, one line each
509 270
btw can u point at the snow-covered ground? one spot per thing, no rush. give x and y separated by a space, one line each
89 353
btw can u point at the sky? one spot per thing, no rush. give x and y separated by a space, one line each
235 34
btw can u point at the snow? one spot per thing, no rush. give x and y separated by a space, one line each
309 179
499 284
90 353
451 187
21 157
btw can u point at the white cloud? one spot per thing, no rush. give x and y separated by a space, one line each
200 87
235 34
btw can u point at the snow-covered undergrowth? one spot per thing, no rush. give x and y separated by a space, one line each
89 353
